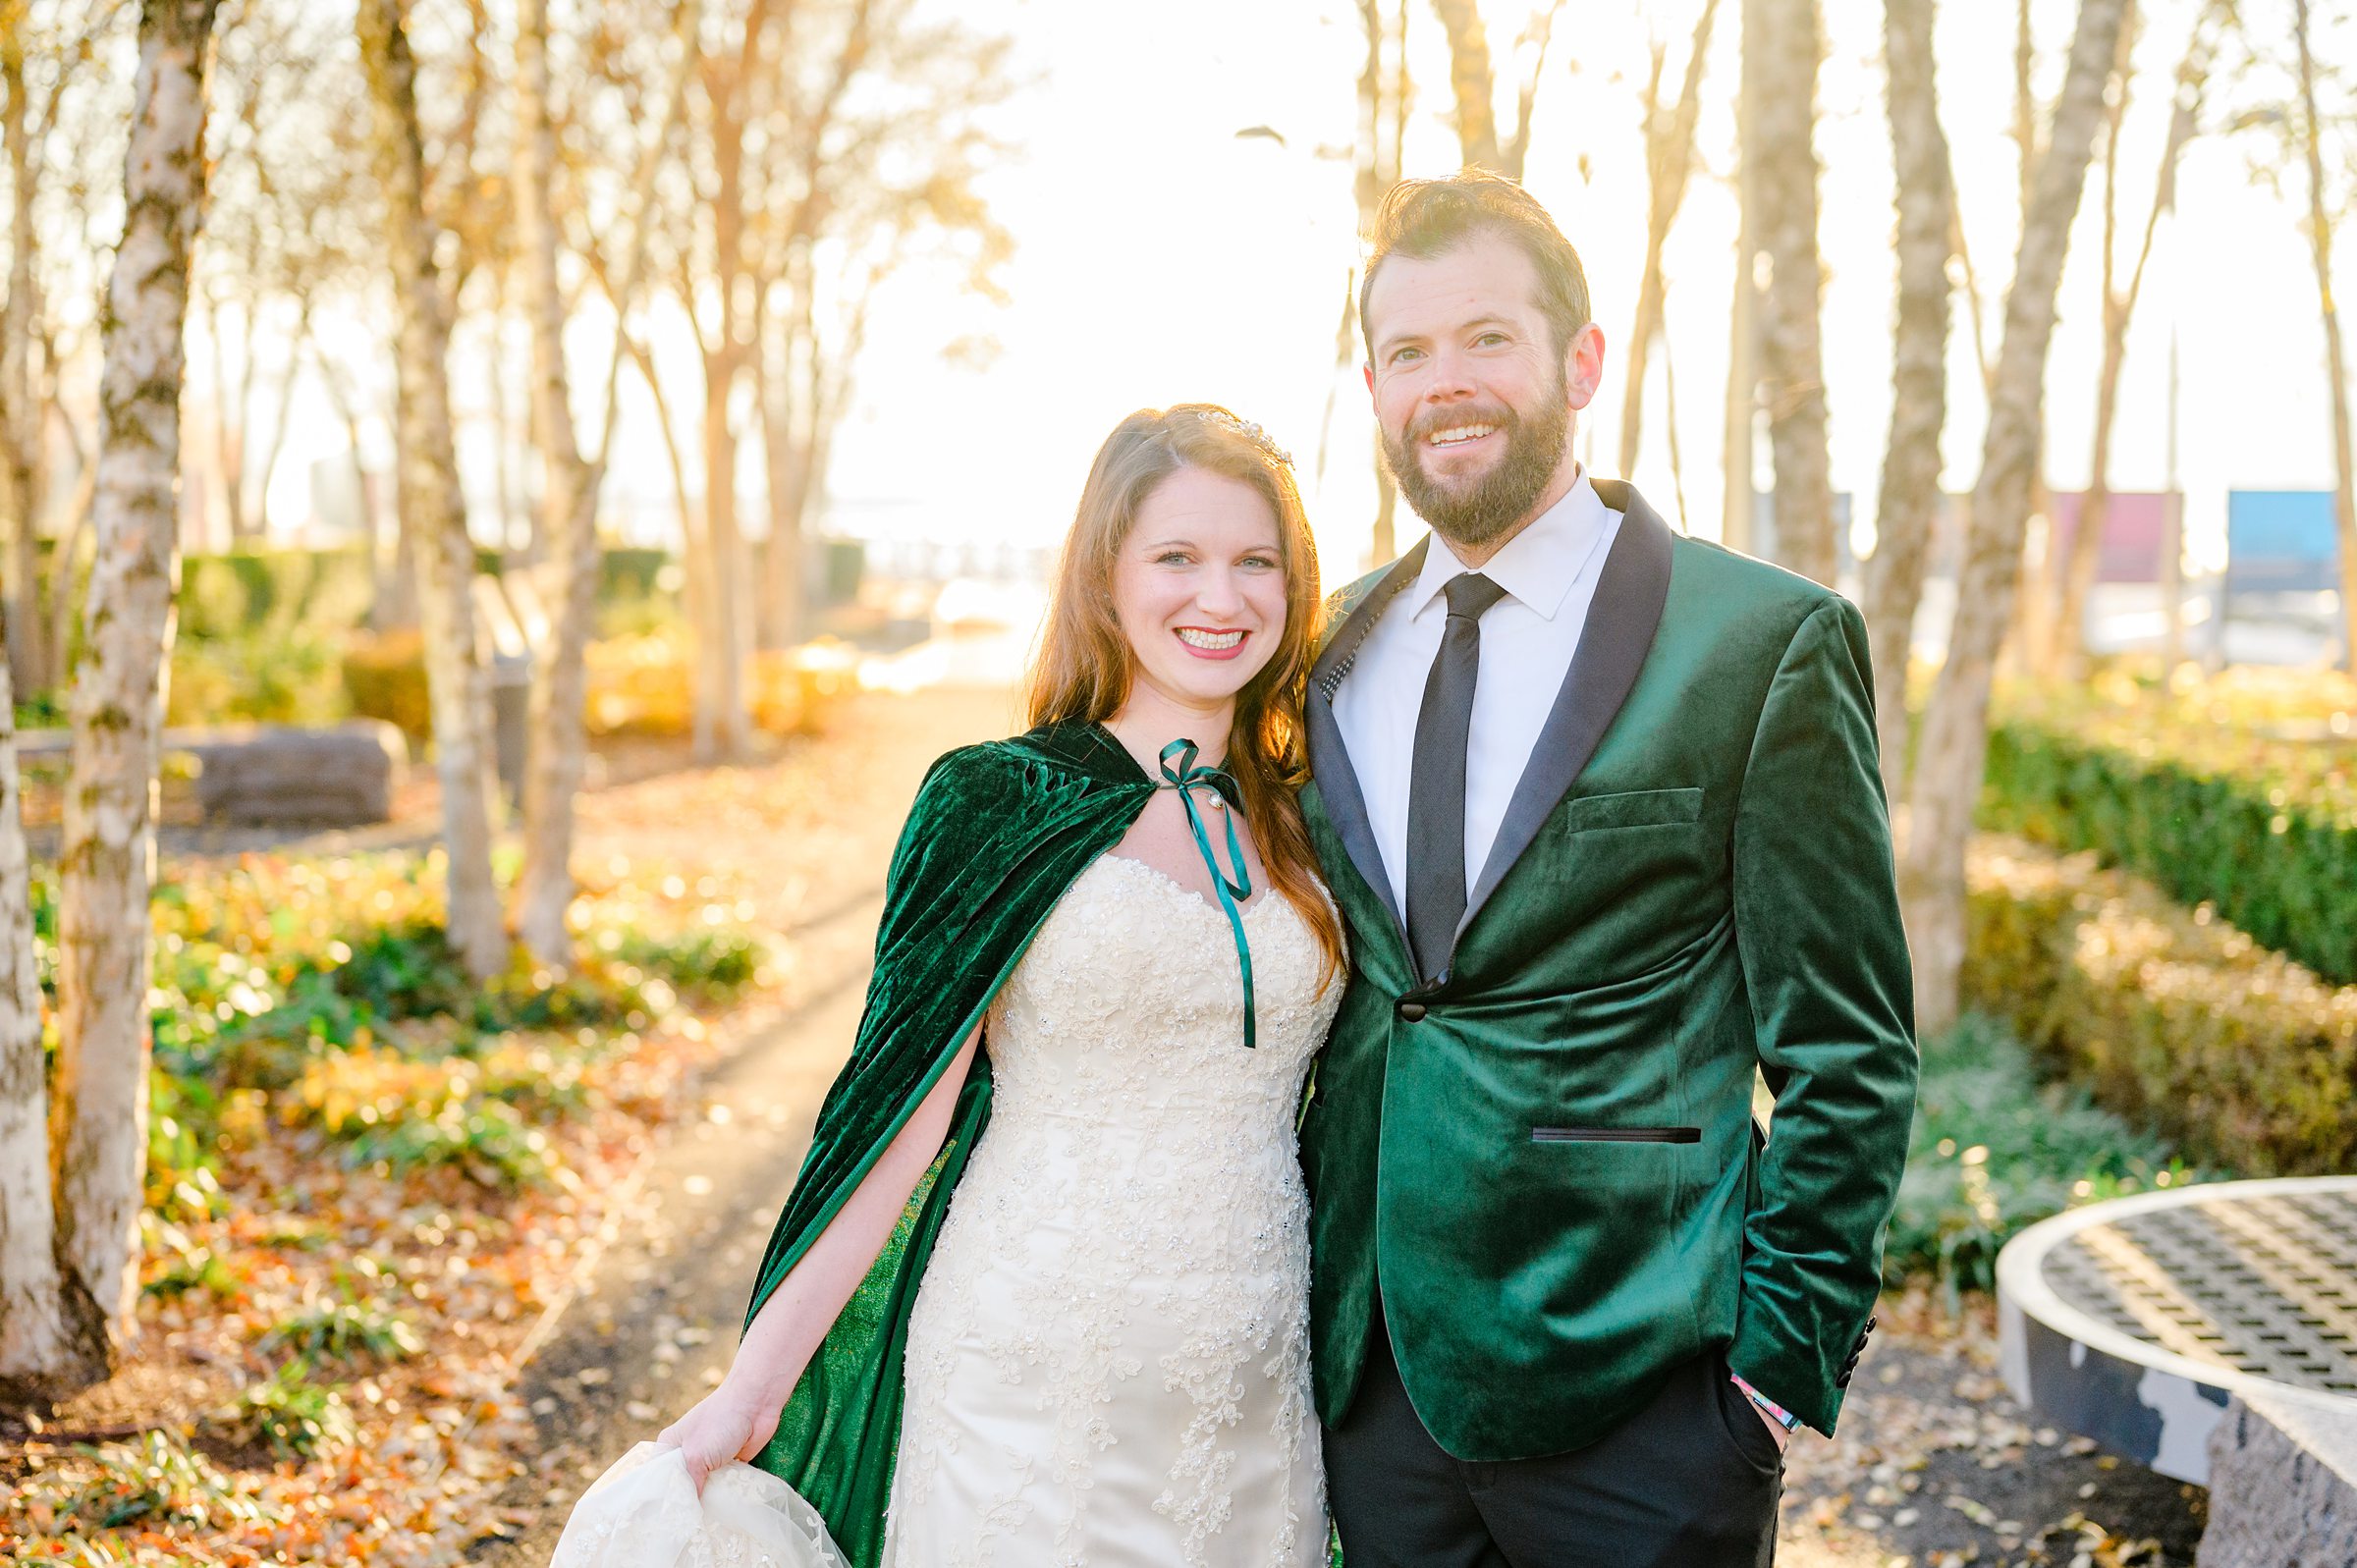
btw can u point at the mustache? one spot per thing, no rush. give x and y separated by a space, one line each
1424 424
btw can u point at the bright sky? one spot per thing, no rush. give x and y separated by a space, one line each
1163 259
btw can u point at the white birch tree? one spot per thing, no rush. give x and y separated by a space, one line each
108 862
433 511
1946 784
1791 359
1909 503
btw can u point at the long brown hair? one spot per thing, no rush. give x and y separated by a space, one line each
1085 666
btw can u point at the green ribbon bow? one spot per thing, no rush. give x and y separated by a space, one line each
1186 776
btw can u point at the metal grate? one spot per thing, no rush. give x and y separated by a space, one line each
2261 1284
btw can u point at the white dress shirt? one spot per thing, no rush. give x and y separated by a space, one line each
1548 573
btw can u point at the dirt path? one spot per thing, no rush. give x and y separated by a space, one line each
1934 1466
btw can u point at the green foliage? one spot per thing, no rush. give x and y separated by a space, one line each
1992 1151
152 1481
191 1268
710 963
259 677
487 1140
348 1331
295 1416
324 996
183 1130
321 593
2171 1018
2248 802
260 633
384 677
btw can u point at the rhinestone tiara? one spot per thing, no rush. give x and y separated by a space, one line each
1220 418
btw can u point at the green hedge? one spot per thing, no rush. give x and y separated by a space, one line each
2170 1018
2278 861
317 591
327 592
1994 1150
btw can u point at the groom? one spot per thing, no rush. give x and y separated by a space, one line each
1600 804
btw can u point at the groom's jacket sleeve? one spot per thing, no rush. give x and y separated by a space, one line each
1825 961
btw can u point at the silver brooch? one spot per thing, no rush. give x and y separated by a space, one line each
1251 432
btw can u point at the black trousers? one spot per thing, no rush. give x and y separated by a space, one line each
1691 1481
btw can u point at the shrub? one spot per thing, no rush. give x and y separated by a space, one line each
2221 794
713 964
191 1266
1992 1151
183 1135
414 1113
345 1331
319 592
153 1479
2169 1016
295 1416
384 677
260 678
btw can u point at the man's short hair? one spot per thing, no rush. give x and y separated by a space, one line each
1425 218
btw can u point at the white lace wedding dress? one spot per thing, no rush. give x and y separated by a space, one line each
1107 1359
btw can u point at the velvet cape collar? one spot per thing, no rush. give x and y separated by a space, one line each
998 833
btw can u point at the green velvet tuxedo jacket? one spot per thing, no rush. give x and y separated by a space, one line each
1545 1159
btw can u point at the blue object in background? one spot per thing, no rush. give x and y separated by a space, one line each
2281 541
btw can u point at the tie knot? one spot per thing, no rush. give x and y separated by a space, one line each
1470 594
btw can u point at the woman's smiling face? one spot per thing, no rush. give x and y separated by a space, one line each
1199 587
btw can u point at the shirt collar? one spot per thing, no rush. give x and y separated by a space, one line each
1536 567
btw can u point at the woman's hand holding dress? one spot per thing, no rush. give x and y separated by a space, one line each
732 1422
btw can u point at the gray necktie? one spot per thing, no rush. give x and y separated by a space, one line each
1436 781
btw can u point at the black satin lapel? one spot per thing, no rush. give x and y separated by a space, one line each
1329 757
1630 591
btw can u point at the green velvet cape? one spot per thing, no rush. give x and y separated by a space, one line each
997 832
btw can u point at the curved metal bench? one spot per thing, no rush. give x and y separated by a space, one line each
2209 1332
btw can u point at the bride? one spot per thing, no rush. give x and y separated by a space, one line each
1040 1294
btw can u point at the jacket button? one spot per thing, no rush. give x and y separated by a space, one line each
1412 1012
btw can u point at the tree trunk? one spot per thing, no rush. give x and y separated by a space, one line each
108 850
31 660
52 1341
786 459
231 411
1382 113
434 510
723 724
1738 506
2032 608
557 758
1908 507
567 520
1947 774
2320 249
2067 652
1668 161
275 447
1796 373
1472 80
2172 538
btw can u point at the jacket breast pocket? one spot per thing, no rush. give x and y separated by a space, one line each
1631 874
